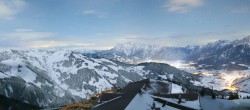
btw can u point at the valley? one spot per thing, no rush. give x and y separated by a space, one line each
124 55
56 77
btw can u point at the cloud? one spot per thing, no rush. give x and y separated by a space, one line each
241 10
199 38
129 38
183 40
95 13
28 38
22 37
89 12
132 37
58 44
45 44
182 6
27 34
9 8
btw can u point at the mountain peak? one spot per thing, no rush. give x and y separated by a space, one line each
134 44
243 41
246 39
218 43
130 47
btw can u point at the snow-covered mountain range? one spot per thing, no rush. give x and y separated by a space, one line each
218 58
217 55
51 78
135 53
233 55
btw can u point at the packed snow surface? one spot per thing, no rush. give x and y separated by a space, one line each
207 103
145 102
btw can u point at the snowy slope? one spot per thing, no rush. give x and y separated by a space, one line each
223 104
145 102
51 78
243 83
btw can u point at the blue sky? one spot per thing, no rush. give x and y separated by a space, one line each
100 24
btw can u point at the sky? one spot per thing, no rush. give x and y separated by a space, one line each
101 24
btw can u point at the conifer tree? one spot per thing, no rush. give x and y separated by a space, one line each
202 92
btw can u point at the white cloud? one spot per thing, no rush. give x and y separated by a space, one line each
27 34
9 8
27 38
199 38
241 10
100 34
132 37
23 30
128 38
182 6
89 12
52 44
95 13
183 39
